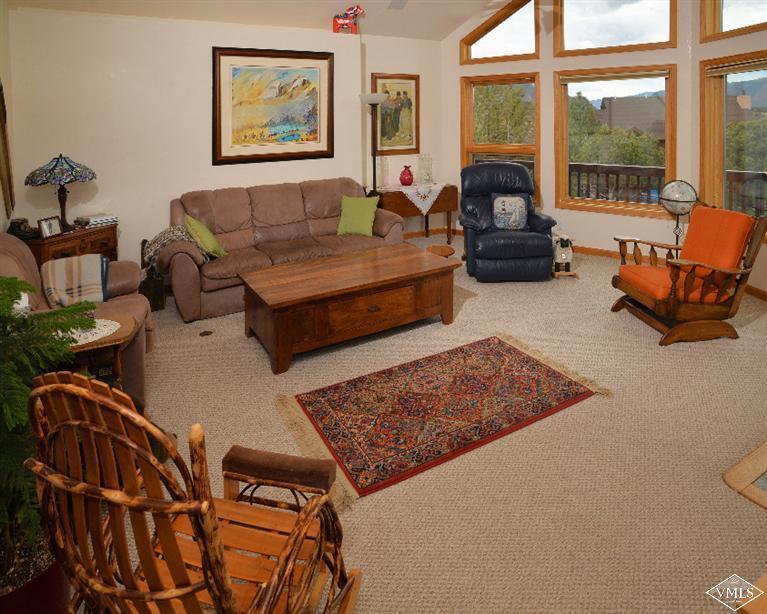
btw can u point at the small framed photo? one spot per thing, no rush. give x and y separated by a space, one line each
49 226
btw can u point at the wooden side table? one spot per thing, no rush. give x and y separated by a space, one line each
100 240
116 342
447 202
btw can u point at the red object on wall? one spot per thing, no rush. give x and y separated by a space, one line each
406 176
347 21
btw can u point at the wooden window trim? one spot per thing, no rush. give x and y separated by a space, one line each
712 118
561 146
492 22
467 123
711 23
559 36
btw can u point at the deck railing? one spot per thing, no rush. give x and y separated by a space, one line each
746 191
636 184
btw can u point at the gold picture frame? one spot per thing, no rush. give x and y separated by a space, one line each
399 117
6 174
271 105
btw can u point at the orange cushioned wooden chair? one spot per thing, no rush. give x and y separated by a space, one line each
100 482
689 297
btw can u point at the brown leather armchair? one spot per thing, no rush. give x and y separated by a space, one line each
16 260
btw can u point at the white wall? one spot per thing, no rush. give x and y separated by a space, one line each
387 54
131 98
5 77
589 228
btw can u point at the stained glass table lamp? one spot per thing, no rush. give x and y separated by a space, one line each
60 171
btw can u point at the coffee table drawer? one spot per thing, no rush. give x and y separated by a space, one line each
369 310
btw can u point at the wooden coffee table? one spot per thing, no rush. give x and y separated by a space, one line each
298 307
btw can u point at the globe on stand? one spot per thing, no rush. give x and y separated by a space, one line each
678 198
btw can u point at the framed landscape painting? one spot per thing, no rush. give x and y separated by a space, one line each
6 180
399 115
271 105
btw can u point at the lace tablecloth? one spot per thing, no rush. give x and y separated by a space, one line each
422 196
103 328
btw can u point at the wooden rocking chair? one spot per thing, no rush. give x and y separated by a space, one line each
689 297
99 482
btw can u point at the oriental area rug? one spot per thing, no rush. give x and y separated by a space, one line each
387 426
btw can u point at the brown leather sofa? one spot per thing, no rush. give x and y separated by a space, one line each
258 227
16 260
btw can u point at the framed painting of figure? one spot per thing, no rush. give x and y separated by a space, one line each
271 105
398 116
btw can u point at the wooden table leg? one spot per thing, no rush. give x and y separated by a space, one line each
446 298
449 227
426 224
118 368
281 351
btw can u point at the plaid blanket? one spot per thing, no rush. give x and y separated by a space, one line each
72 280
165 237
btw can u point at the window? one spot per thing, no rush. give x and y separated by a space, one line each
510 34
726 18
608 26
734 133
500 120
615 138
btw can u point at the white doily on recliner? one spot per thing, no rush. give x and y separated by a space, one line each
103 328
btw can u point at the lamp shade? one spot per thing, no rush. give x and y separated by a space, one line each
373 98
59 171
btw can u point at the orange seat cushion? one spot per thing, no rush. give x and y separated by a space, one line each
716 237
655 281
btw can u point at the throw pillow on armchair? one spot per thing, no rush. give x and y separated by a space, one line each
510 211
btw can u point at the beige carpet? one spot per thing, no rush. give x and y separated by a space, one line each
614 505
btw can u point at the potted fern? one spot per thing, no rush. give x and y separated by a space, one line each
30 344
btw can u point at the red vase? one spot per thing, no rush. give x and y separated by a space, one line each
406 176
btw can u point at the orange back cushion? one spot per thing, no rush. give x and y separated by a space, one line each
716 237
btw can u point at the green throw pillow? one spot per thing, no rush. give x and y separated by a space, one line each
357 215
204 237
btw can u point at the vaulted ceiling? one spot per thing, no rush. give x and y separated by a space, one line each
426 19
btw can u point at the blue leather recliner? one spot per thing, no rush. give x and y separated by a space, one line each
494 254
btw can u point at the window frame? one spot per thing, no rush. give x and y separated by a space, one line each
711 23
563 200
468 147
559 36
712 125
464 47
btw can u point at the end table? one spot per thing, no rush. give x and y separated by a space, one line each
99 240
116 342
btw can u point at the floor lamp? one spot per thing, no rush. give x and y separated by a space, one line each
373 100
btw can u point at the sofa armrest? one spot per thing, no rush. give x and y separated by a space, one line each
242 464
541 223
123 278
384 221
169 252
469 222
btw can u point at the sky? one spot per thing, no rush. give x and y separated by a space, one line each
739 13
594 90
604 23
514 36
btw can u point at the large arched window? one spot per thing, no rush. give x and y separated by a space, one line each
733 140
615 138
585 27
510 34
